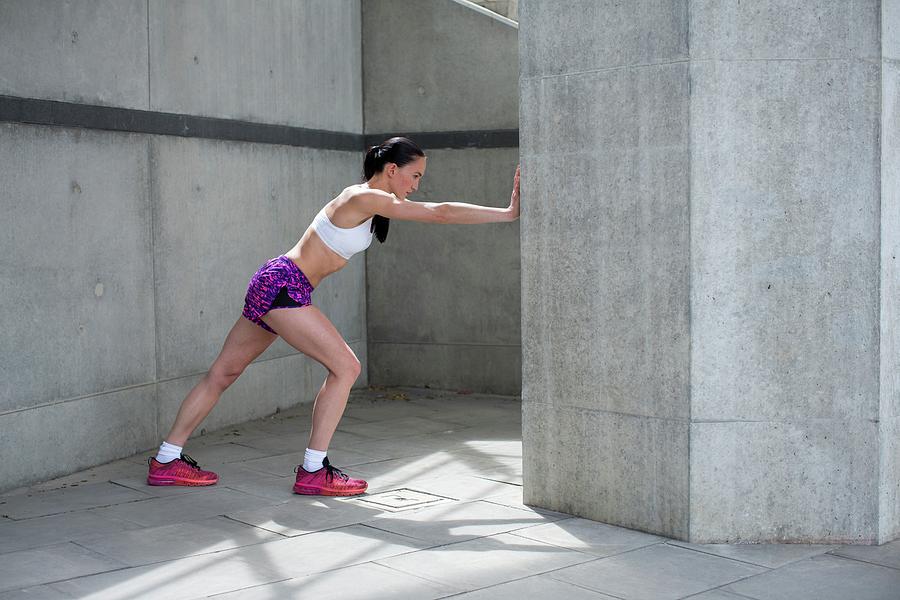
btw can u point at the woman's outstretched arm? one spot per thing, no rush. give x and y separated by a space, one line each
388 205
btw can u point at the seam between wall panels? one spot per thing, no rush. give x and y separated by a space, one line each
151 206
878 171
690 274
149 77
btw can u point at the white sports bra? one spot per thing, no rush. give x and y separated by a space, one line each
344 241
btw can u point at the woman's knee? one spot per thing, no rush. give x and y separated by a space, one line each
348 369
222 376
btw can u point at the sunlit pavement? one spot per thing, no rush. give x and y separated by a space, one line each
443 517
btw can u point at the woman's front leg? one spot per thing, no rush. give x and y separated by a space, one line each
308 330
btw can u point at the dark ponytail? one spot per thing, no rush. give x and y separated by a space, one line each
397 150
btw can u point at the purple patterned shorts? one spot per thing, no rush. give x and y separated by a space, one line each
279 278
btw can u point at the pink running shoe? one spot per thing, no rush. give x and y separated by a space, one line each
181 471
327 481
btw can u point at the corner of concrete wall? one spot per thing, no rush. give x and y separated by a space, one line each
889 412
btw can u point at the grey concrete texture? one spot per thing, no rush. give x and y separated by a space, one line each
65 437
86 51
784 240
631 471
890 29
610 304
437 66
443 300
492 369
75 265
249 537
776 29
635 33
775 482
221 209
889 506
286 62
774 284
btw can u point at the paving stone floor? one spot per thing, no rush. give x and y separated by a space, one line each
443 518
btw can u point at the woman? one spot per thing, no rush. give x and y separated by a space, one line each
344 227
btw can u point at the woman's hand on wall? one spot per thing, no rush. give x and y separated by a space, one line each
514 199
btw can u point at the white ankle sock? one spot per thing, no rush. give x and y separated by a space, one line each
168 452
312 460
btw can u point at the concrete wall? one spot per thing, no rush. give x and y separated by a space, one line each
443 301
889 417
713 361
125 257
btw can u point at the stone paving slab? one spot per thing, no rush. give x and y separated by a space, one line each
485 561
539 586
658 572
360 582
305 514
157 544
457 522
591 537
823 578
103 533
764 555
56 529
52 502
50 563
39 592
210 502
886 555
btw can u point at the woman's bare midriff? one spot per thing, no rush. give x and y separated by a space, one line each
314 258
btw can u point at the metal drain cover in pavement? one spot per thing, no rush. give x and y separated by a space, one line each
402 499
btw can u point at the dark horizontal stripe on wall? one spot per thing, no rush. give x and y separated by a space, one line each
68 114
129 120
482 138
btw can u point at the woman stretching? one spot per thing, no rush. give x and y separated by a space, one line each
344 227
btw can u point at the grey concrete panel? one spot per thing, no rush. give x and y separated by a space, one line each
618 469
437 66
264 387
890 29
75 268
785 236
286 62
46 442
450 283
86 51
773 29
221 209
603 113
889 480
804 481
595 34
605 240
443 300
492 369
889 503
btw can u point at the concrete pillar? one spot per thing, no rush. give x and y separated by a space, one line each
709 232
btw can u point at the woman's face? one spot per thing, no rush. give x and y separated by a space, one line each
405 180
